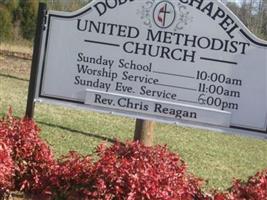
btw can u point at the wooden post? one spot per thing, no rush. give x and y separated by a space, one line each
35 60
144 132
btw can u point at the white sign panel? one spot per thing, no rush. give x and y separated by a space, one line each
178 60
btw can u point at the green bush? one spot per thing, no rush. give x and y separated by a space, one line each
5 24
28 18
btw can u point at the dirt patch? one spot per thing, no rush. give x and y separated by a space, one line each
12 66
21 55
21 48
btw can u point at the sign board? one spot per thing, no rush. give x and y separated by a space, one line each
181 61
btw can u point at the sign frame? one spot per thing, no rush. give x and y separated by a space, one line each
39 58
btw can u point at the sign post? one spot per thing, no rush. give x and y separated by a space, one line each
185 62
35 60
144 131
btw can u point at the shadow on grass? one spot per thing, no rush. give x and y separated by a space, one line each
79 132
14 77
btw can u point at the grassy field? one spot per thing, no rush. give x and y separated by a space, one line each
215 157
24 47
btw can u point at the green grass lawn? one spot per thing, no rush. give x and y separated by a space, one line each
215 157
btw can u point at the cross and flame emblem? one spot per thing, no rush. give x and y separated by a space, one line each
164 14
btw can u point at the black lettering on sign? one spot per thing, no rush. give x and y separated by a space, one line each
107 28
180 114
102 6
132 104
215 13
100 100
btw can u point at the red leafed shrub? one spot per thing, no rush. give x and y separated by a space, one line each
6 169
133 171
68 178
254 189
123 171
32 158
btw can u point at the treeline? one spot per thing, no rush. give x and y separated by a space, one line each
253 13
18 17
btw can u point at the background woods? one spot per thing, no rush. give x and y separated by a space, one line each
18 17
253 13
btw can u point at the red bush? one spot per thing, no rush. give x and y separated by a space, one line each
133 171
254 189
32 158
123 171
130 171
6 169
69 178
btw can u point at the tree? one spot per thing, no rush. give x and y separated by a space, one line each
12 5
29 10
264 21
67 5
233 7
253 13
5 23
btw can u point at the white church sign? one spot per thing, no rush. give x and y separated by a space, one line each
182 61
